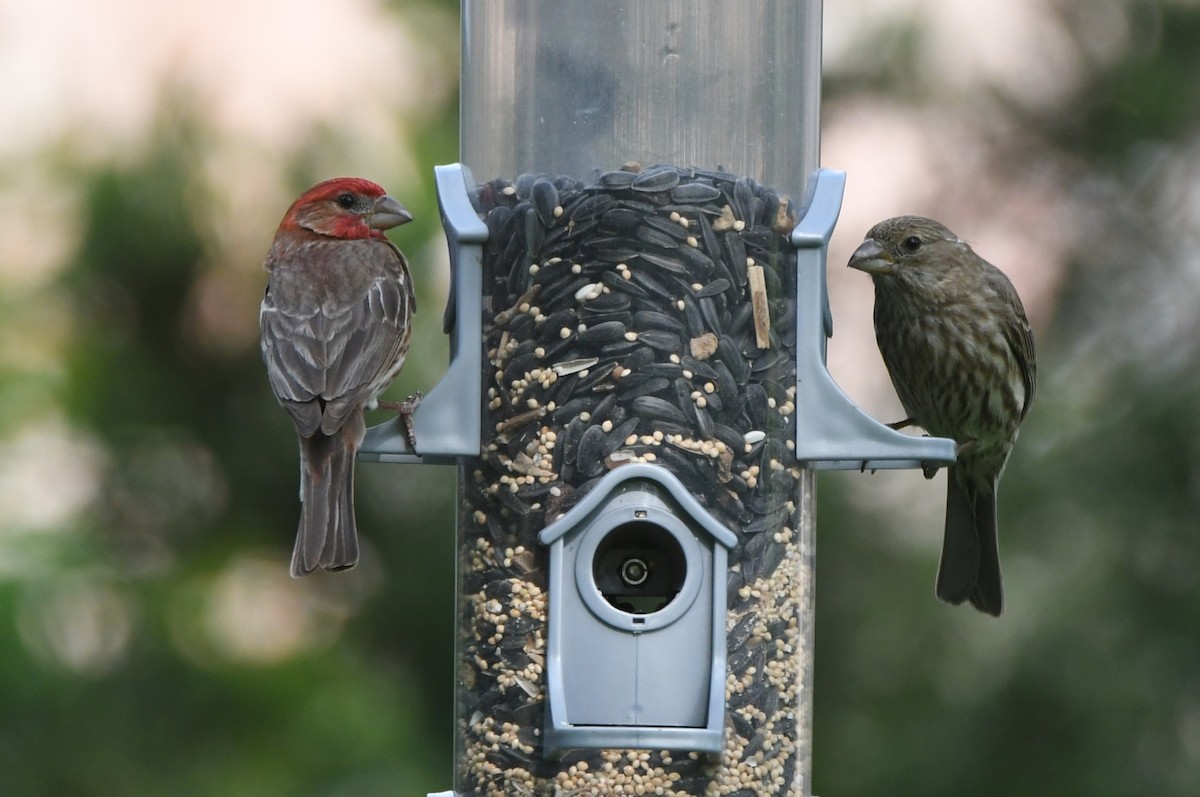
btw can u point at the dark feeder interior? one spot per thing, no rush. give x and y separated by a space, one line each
646 316
639 569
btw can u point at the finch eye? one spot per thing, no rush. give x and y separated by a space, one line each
911 244
345 200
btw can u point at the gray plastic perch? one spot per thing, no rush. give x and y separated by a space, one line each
446 423
832 432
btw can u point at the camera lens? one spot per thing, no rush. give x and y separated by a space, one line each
634 571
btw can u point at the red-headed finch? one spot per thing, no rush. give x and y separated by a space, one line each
335 325
958 347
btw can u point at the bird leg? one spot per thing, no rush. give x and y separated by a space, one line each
896 426
965 447
404 411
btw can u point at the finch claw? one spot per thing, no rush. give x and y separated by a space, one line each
904 424
404 411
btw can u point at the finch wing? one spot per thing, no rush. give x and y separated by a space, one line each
1023 347
374 341
1019 335
291 351
334 325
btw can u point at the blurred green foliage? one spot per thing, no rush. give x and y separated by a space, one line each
123 671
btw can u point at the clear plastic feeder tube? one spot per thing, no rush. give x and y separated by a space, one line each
559 87
640 166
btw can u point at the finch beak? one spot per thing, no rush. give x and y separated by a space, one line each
871 258
387 213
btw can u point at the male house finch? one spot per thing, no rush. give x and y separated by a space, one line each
958 347
335 324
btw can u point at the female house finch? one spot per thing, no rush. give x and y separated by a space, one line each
958 347
335 324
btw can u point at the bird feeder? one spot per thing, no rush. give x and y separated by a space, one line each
637 399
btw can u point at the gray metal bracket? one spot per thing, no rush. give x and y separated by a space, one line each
447 421
832 432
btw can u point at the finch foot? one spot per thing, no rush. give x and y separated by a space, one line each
404 411
930 469
904 424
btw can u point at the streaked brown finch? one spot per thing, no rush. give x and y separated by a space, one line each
958 347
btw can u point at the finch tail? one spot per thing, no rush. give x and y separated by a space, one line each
970 565
327 537
988 595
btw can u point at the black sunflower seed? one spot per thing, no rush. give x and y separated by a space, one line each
710 314
728 353
601 334
736 258
595 378
691 315
739 323
588 206
590 457
704 421
657 238
616 282
668 369
717 286
726 384
544 197
655 407
645 385
638 358
669 228
660 339
621 220
651 283
656 319
709 238
700 265
767 361
524 184
743 199
611 302
700 369
619 433
616 180
695 193
667 263
655 180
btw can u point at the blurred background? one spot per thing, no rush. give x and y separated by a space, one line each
151 641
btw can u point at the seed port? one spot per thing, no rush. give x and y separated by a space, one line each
639 567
